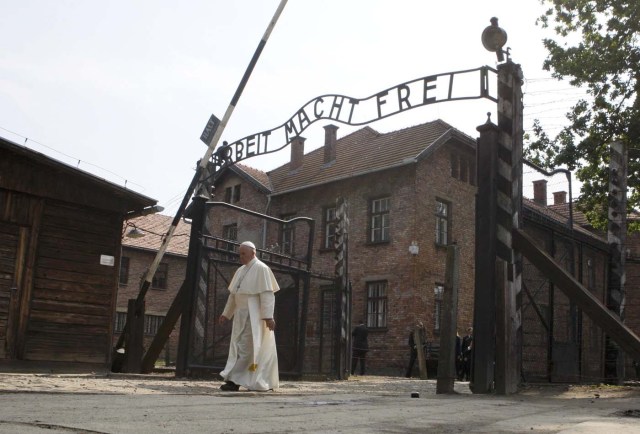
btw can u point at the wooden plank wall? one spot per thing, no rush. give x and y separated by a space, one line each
73 296
63 309
8 249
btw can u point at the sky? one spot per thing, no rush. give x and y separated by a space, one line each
124 89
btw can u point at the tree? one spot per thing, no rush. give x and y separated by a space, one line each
605 60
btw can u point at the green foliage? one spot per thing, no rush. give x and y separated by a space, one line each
597 48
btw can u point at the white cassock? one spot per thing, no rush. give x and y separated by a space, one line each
252 361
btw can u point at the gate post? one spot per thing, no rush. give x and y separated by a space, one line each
343 340
447 355
510 190
616 238
484 309
498 212
187 321
135 338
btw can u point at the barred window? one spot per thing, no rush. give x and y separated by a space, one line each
379 220
121 319
124 270
152 324
377 304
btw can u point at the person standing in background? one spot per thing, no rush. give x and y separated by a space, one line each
360 346
467 348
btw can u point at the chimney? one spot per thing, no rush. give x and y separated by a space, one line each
297 152
540 192
559 197
330 138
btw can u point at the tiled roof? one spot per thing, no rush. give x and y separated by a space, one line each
364 151
579 217
255 175
550 213
155 226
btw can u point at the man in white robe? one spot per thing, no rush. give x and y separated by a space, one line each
252 361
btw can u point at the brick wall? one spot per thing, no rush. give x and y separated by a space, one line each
249 228
157 301
411 279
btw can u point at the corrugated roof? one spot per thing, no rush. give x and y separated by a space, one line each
363 151
155 226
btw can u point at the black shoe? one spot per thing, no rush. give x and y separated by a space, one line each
230 386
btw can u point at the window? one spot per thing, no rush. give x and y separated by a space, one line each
377 304
472 172
454 165
438 291
230 232
232 194
152 324
236 193
442 222
464 169
160 277
379 220
287 236
330 222
121 319
124 270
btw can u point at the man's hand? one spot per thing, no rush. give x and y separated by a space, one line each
271 324
223 319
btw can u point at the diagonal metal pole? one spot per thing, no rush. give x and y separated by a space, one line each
200 169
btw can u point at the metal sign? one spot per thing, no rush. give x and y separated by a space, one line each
449 86
210 129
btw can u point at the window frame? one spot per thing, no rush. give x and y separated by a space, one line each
381 228
454 161
329 228
230 232
152 324
287 247
232 193
125 267
439 218
377 297
120 321
161 281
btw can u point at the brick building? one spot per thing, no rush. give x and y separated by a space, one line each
412 187
142 237
632 265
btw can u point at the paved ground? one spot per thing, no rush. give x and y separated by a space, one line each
115 403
